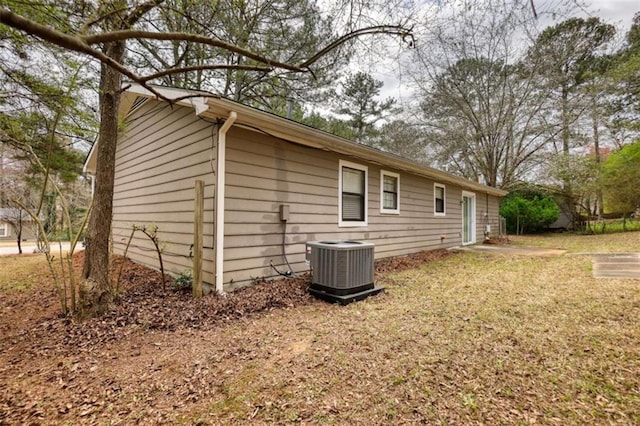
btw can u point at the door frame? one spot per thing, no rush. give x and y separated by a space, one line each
472 225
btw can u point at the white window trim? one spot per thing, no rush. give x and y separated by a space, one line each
352 224
5 231
384 210
444 206
473 229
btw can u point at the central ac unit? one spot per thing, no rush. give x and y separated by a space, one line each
343 271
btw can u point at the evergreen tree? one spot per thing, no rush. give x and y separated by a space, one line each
357 100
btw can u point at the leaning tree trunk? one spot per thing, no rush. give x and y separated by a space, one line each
19 237
97 292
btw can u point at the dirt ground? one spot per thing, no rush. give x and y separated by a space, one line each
510 250
456 338
149 359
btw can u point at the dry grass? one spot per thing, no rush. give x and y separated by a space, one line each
19 273
471 339
619 242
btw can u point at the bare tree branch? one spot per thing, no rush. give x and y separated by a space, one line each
533 8
380 29
140 11
66 41
193 38
170 71
83 44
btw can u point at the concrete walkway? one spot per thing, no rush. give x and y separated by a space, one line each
29 247
616 265
510 250
605 265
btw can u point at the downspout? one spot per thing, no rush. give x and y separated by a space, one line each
487 219
220 196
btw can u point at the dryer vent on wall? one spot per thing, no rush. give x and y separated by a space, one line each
343 271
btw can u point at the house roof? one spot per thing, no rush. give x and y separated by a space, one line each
10 213
215 107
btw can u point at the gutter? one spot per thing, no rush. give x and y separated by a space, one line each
307 136
220 196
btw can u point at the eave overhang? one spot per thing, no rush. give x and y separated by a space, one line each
215 107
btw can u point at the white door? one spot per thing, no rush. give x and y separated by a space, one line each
468 217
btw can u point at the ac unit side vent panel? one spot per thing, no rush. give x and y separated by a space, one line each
342 270
342 265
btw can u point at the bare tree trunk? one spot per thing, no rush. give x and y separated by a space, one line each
596 149
19 232
19 241
96 263
566 186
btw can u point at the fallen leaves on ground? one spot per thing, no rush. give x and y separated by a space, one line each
465 339
142 304
402 263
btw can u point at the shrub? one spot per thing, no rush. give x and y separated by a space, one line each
529 215
183 282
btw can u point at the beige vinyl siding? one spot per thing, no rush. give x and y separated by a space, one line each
161 154
8 230
164 150
491 206
28 231
264 172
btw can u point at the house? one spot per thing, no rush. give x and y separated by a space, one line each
6 230
10 220
271 185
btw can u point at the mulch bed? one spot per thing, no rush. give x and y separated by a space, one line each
142 304
415 260
62 352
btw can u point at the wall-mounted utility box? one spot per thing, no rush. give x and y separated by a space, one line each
284 212
343 271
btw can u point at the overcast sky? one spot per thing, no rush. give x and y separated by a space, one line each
617 12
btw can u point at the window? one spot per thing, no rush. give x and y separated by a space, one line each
389 192
3 230
439 199
352 198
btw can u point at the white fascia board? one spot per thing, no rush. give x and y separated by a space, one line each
198 103
308 136
89 166
133 90
216 107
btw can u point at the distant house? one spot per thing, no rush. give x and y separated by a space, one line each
271 185
10 220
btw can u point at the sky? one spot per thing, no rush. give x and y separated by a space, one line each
617 12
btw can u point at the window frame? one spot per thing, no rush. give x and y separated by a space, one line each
383 209
435 199
365 169
473 219
5 229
